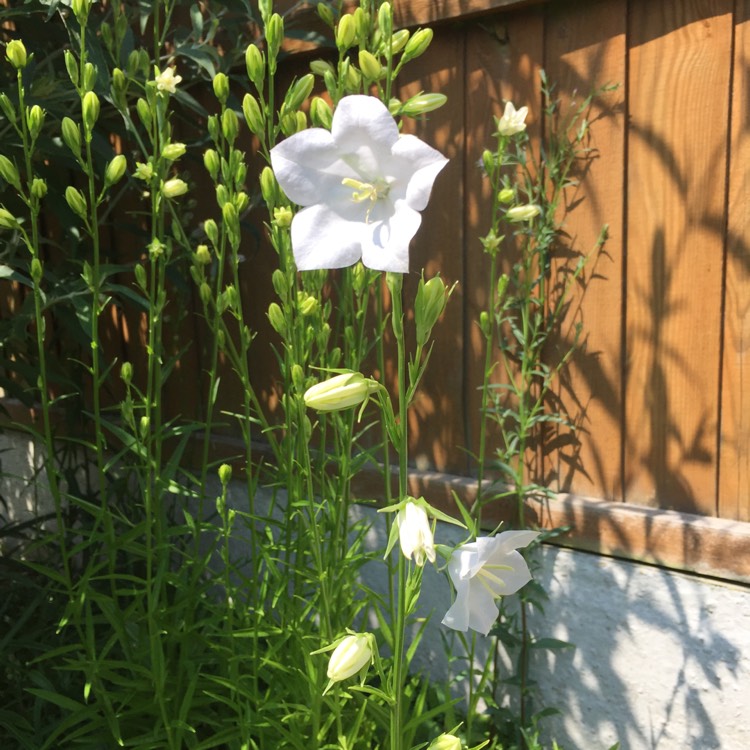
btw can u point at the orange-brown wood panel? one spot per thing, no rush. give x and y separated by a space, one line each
678 100
734 449
436 423
412 12
585 50
503 62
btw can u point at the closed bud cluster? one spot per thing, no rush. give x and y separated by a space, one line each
256 65
422 103
321 115
76 200
35 121
9 172
16 54
253 114
115 170
173 151
174 188
418 44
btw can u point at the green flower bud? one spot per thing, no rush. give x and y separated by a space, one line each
253 115
231 297
282 217
205 293
7 220
276 318
35 121
353 79
265 7
298 376
202 255
307 304
484 324
321 67
16 54
91 109
133 63
105 30
212 231
502 288
370 66
8 109
173 151
385 20
269 188
274 38
523 213
299 91
340 392
422 103
221 87
301 118
174 188
38 188
144 425
140 277
144 113
9 172
77 201
432 296
213 127
212 163
256 65
230 125
399 40
225 474
36 270
445 742
115 170
230 215
241 201
491 242
80 9
361 24
506 195
126 373
278 280
89 76
326 14
418 44
289 124
320 113
119 81
222 195
345 32
71 65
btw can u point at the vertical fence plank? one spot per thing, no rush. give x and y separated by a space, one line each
436 426
734 447
584 50
678 104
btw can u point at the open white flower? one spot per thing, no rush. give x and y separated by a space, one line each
415 534
167 81
513 120
362 186
482 571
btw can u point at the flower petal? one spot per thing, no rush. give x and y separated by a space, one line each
322 238
425 161
385 244
482 608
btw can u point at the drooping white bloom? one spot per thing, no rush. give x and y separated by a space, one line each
415 534
513 120
362 186
350 656
167 81
483 571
